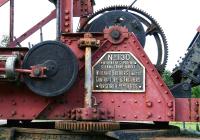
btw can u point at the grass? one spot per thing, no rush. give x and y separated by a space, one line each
188 125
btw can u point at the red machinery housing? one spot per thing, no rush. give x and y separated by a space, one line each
100 76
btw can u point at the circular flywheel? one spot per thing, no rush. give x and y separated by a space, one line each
61 64
144 26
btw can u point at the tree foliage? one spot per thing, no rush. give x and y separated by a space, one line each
4 42
196 92
167 78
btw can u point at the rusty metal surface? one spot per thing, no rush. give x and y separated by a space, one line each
79 126
88 43
157 104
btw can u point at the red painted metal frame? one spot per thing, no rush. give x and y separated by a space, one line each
198 29
32 30
2 2
11 36
155 104
69 8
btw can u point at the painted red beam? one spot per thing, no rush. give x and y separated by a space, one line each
32 30
187 109
198 29
2 2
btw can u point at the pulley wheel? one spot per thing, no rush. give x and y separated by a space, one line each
120 18
61 64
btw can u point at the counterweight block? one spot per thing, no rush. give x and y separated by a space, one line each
61 64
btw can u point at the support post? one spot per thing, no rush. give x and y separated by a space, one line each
11 20
88 77
58 20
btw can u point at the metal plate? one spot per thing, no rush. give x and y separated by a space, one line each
118 72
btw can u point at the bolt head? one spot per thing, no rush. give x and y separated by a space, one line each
115 34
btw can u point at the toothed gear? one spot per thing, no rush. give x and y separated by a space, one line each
87 126
150 24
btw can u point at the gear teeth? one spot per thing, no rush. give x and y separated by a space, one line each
87 126
160 67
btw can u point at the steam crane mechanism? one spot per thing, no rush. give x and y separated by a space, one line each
95 82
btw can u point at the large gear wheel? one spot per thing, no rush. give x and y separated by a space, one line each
87 126
151 26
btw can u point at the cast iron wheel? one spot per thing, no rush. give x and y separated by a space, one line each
61 64
151 26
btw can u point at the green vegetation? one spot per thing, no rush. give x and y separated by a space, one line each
196 92
188 125
167 78
169 81
4 42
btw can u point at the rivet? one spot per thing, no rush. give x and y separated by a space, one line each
124 101
94 111
149 104
196 117
66 24
135 101
143 55
14 103
152 70
124 116
166 92
112 101
138 48
159 101
13 113
1 115
66 17
149 114
169 114
161 85
156 77
66 11
147 62
169 104
66 30
159 117
135 116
